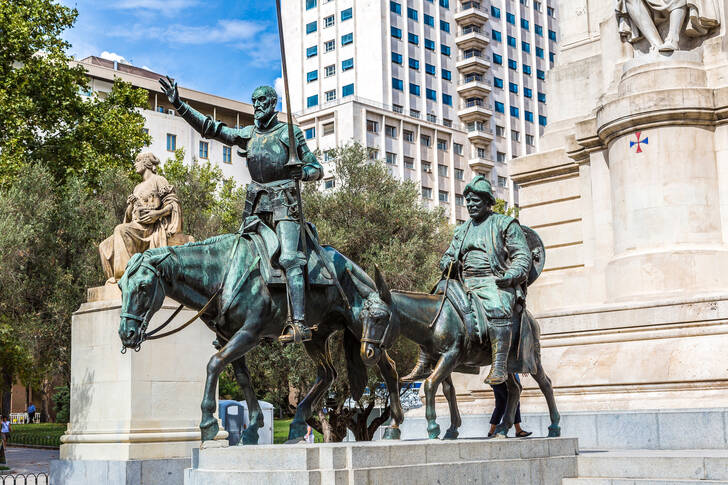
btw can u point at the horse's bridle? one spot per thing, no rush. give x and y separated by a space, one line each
381 342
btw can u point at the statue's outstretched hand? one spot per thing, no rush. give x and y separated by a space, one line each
169 88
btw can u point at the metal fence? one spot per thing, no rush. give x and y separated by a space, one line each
22 418
24 479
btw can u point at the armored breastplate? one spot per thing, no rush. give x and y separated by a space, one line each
267 156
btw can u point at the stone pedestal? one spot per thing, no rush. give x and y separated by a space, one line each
507 462
135 412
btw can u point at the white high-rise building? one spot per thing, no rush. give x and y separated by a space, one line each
440 89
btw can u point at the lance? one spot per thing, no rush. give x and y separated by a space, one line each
292 148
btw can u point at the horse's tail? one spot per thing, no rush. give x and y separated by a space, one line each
355 368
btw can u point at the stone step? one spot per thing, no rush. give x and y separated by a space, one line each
658 466
639 481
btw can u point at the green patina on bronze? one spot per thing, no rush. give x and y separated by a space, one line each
476 317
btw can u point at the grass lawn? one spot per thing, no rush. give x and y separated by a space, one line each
280 431
47 434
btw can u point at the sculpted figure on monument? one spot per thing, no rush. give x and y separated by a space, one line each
641 18
271 196
153 219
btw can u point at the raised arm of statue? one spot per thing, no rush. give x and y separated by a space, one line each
204 125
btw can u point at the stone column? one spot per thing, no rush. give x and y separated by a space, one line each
665 195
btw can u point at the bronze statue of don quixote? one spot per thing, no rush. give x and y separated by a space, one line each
273 279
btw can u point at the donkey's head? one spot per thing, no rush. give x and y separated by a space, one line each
142 295
380 328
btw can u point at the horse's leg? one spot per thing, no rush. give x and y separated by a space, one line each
455 421
514 397
318 350
389 373
236 347
544 383
255 416
443 369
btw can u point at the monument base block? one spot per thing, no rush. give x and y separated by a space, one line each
167 471
504 461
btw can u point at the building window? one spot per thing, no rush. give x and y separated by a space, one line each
538 29
311 27
447 122
330 70
347 64
495 12
510 18
500 131
397 84
203 149
373 153
441 144
346 14
431 94
312 76
396 33
426 166
431 118
171 142
527 69
530 140
412 14
528 116
442 196
396 58
459 200
372 126
329 21
426 193
524 24
227 155
457 148
446 99
525 46
312 51
312 101
444 26
330 95
511 41
512 64
408 135
395 7
542 120
445 49
542 97
500 157
398 108
552 35
329 155
446 75
391 158
445 3
459 174
527 93
496 35
347 90
502 181
498 82
497 58
329 183
550 11
429 44
514 111
425 140
310 133
552 57
347 39
429 20
430 69
415 113
390 131
481 152
414 64
414 89
329 128
499 107
413 39
540 74
441 170
539 52
329 45
515 135
409 162
513 87
310 4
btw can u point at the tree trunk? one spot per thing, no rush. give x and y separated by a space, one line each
6 388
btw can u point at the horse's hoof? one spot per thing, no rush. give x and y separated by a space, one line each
433 432
209 430
250 436
451 434
297 431
554 431
391 433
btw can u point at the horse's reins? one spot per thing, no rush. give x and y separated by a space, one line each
145 320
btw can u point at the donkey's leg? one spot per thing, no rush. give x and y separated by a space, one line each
544 383
442 370
514 397
389 373
236 347
255 416
318 350
455 421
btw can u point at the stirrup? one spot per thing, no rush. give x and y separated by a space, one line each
295 332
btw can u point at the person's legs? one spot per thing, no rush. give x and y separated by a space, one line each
292 260
677 19
501 396
642 18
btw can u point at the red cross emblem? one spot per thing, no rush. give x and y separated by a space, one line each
638 142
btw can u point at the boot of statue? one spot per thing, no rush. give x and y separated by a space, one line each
500 344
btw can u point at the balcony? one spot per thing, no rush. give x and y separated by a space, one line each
471 12
468 63
474 112
481 165
473 87
471 38
479 134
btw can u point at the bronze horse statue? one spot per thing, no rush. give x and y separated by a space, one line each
437 327
224 270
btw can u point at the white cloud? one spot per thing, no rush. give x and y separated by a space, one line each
226 31
170 6
112 56
280 89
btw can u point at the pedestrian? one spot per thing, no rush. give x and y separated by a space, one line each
5 431
31 412
500 391
309 434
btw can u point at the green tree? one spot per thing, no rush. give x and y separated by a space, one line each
44 119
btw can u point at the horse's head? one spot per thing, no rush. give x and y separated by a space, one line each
142 295
379 327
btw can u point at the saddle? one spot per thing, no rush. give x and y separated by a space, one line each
264 241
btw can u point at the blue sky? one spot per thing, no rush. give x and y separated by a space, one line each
223 47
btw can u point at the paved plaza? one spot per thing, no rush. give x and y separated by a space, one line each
29 460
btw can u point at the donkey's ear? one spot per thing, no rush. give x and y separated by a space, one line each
382 287
363 289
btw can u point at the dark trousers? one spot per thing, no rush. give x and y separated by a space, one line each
501 396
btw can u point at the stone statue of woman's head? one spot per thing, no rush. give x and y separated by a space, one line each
146 160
